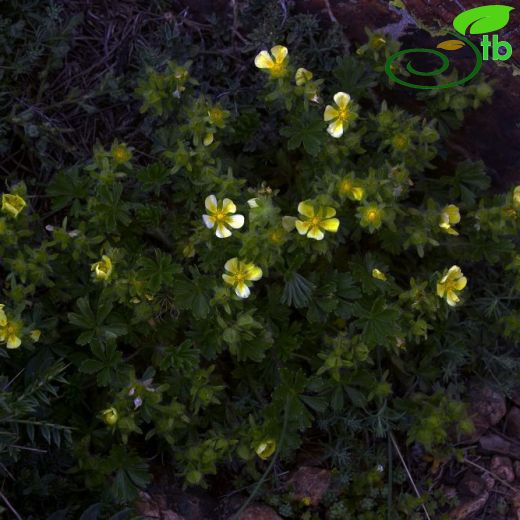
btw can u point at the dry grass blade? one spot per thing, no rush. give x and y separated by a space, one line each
409 475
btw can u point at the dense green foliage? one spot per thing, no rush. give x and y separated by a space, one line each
127 347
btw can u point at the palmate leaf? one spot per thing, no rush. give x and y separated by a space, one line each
306 129
354 77
470 180
297 291
378 323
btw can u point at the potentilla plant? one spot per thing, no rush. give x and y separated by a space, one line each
276 261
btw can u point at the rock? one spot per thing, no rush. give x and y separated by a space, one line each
515 506
194 504
171 515
515 396
155 506
513 423
489 481
516 467
308 482
448 491
469 507
147 506
259 512
471 485
487 408
503 467
496 444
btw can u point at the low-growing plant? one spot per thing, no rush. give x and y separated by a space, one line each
294 262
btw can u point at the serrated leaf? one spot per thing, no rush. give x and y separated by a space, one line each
484 19
451 45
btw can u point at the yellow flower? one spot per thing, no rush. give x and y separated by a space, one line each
347 187
240 273
338 116
306 501
10 333
208 139
378 275
110 416
221 215
120 153
516 197
103 268
377 41
449 215
452 282
302 76
316 220
12 204
35 334
266 448
3 317
275 63
371 216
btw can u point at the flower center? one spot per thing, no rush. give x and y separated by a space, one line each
343 114
277 69
372 215
220 216
315 221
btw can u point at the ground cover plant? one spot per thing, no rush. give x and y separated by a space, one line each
276 260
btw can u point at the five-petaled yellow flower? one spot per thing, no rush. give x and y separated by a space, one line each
221 215
338 116
378 275
103 268
240 274
12 204
110 416
275 63
516 197
449 215
450 284
302 76
316 221
353 191
10 331
266 448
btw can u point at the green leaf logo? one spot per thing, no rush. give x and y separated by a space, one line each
481 20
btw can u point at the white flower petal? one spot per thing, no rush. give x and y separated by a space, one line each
235 221
242 290
209 222
211 203
222 231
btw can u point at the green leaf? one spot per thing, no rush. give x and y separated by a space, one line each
192 295
297 291
484 19
306 129
470 180
378 323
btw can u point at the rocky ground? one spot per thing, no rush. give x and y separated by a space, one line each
486 482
